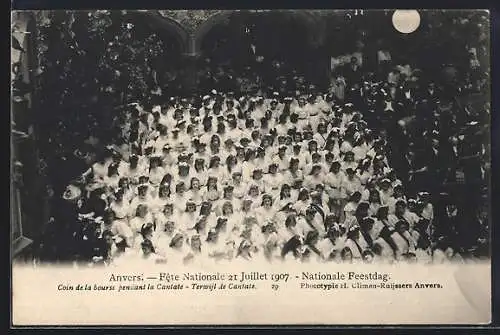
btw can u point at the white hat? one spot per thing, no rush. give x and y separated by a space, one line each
118 239
86 216
72 192
353 227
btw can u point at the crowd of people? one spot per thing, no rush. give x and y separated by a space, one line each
389 163
251 177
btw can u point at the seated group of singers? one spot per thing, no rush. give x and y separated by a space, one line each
251 178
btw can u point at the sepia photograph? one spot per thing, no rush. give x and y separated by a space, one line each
206 138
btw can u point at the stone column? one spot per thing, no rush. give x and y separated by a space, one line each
192 45
190 62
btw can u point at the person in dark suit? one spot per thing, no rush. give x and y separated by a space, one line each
406 167
425 165
405 97
450 154
430 92
353 72
353 95
434 163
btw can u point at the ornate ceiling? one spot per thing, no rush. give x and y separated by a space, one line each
192 20
196 22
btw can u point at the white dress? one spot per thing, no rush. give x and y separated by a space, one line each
121 209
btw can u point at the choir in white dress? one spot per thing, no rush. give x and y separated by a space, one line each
256 178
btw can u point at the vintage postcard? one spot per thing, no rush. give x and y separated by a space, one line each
250 167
